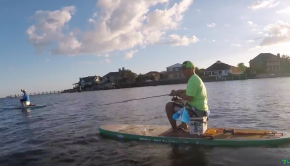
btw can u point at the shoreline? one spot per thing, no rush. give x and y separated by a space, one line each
162 82
169 82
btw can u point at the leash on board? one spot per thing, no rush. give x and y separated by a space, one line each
134 99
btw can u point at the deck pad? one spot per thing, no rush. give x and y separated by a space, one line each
164 133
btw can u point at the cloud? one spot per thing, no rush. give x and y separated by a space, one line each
237 45
213 40
277 33
211 25
119 25
254 48
86 63
91 20
263 4
251 23
103 55
130 54
198 10
227 25
175 40
48 28
107 61
250 41
284 11
95 15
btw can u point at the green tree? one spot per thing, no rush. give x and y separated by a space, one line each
198 72
242 67
285 63
127 76
141 78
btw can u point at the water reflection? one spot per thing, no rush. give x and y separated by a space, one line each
188 155
26 112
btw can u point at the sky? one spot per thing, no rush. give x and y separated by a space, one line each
48 45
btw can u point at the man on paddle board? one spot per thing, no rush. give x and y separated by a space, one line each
25 98
195 96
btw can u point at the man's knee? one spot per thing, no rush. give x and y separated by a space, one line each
169 107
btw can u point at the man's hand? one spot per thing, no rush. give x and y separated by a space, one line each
173 93
181 91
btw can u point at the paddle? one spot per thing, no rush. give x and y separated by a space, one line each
232 131
134 99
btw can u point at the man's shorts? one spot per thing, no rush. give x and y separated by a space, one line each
26 103
192 111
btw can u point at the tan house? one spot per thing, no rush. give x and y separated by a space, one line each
155 74
266 63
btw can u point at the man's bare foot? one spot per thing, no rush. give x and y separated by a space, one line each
183 126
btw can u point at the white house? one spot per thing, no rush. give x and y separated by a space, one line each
220 70
172 72
175 67
89 81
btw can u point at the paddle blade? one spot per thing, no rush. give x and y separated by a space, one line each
185 117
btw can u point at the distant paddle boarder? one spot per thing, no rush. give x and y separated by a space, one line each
195 96
25 101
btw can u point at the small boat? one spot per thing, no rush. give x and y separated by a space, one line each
221 137
26 107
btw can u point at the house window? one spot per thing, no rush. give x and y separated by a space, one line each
220 72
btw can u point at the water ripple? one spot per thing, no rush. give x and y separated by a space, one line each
66 131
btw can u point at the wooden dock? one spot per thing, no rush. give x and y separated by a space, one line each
34 94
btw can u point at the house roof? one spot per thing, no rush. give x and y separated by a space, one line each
114 74
219 66
151 72
264 56
175 65
89 78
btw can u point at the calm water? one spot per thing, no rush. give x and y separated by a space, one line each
66 131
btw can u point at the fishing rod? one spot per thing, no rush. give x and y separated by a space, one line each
134 99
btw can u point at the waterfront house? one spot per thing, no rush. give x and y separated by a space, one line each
87 83
154 74
221 71
266 63
172 72
111 77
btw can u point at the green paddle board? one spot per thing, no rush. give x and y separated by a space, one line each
164 134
